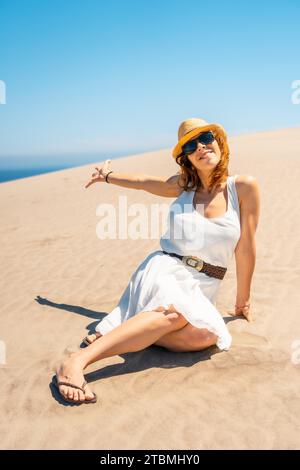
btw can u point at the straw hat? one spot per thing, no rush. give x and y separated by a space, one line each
194 126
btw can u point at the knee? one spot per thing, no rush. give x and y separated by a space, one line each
174 317
171 316
177 320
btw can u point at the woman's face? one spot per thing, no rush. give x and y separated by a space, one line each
206 156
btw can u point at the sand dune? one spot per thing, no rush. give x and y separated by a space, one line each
58 279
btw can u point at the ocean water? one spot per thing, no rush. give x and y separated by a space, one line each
9 174
13 168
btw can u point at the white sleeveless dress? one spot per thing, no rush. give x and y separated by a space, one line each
161 280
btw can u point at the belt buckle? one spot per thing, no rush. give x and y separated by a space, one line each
193 261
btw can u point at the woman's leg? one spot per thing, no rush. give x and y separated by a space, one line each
189 338
133 335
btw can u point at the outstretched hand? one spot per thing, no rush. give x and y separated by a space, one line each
100 174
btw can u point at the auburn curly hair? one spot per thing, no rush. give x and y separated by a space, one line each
188 173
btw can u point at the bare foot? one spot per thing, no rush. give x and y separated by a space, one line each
89 339
71 371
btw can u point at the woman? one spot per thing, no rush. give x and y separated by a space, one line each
170 299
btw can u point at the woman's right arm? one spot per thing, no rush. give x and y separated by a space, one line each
165 187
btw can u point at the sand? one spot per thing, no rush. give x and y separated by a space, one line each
58 279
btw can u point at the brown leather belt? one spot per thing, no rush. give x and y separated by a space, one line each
201 266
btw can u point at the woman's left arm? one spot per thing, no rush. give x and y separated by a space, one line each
245 251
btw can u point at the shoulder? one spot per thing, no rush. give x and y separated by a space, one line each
174 188
247 187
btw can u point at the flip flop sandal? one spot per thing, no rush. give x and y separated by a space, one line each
85 341
57 385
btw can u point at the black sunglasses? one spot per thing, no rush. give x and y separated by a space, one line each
191 145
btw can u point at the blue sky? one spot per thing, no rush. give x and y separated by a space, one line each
89 79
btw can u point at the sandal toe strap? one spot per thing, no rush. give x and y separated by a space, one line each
69 384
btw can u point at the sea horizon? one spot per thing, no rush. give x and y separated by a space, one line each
18 170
